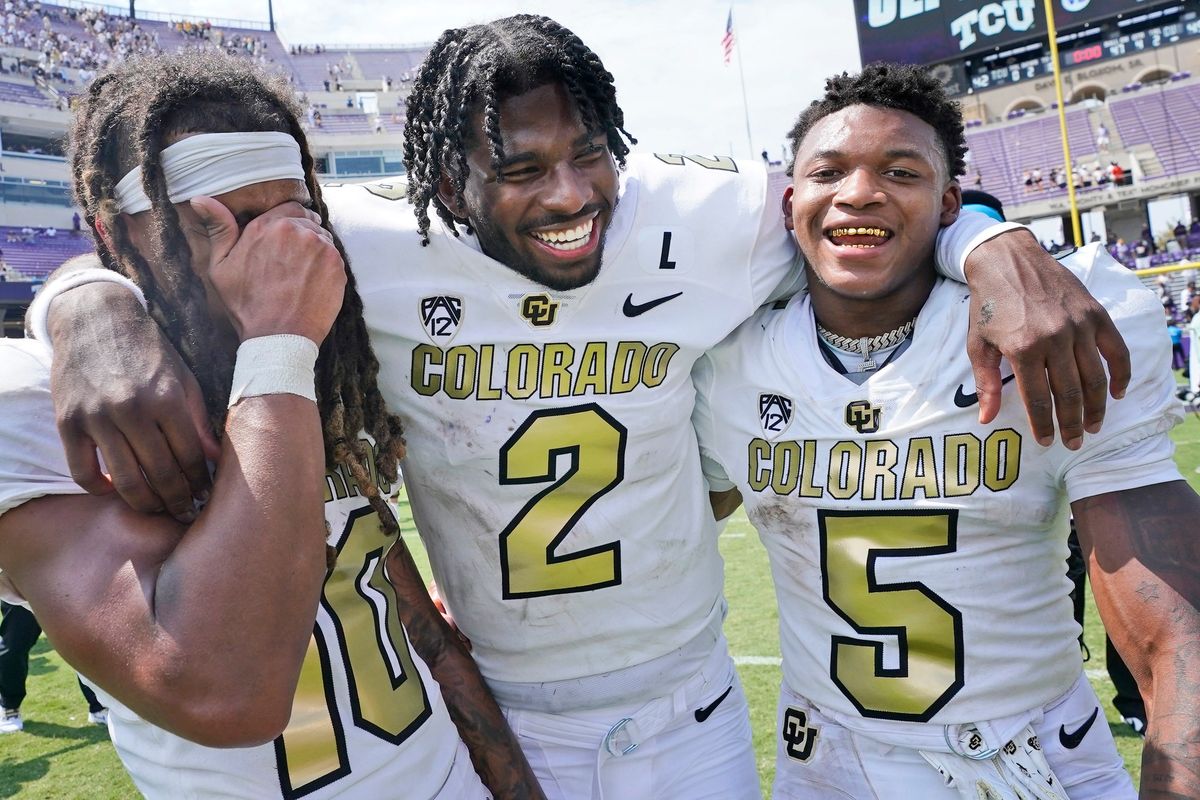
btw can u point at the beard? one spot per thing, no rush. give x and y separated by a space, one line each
496 244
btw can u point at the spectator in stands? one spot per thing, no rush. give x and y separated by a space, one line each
1186 295
1180 232
51 232
75 229
317 117
1142 250
1027 179
1036 174
1102 140
978 182
1148 238
349 101
326 82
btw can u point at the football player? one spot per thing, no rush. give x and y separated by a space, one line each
200 634
929 646
537 331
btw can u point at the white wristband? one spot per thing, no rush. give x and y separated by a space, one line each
280 364
39 310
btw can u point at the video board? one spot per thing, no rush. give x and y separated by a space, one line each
928 31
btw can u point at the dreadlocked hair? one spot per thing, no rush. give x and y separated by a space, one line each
899 86
473 70
126 118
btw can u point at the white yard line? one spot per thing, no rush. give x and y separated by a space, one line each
733 536
757 661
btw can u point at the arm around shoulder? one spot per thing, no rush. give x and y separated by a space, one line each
200 629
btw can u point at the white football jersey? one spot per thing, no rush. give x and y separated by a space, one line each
367 716
918 556
552 468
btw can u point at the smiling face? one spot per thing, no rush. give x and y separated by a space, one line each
548 216
869 194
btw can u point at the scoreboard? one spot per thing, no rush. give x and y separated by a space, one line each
1188 27
929 31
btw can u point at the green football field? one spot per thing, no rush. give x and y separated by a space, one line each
61 756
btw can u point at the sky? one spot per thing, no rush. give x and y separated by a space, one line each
666 55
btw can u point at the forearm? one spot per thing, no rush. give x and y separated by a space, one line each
237 597
1145 570
1171 756
494 750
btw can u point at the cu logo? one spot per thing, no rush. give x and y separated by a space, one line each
799 736
1073 6
862 416
539 310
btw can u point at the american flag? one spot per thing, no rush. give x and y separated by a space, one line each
727 39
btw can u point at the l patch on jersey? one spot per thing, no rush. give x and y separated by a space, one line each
799 736
539 310
441 316
862 416
775 414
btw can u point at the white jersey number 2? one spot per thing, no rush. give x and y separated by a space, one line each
592 444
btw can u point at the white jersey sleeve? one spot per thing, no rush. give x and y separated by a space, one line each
32 462
1133 448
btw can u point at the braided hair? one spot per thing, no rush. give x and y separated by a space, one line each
899 86
126 118
472 70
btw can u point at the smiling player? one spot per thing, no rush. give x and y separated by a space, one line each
929 646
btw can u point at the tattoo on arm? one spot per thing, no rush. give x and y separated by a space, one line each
987 311
1144 544
494 750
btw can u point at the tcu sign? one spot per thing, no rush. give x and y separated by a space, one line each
992 19
930 31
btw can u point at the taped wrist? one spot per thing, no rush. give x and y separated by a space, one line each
280 364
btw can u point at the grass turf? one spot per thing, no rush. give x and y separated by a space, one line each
60 755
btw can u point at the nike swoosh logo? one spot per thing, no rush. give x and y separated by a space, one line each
1073 740
704 713
632 309
964 400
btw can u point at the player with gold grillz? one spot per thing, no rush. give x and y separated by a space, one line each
929 648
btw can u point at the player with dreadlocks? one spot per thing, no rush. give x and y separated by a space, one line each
553 472
193 173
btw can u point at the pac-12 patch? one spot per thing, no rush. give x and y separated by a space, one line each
441 315
775 414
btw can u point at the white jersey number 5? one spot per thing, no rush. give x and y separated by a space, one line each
928 668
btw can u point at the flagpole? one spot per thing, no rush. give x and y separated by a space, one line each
745 105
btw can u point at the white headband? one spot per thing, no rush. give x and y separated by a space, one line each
214 163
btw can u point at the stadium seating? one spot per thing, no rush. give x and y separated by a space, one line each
1002 153
15 92
1166 120
41 256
